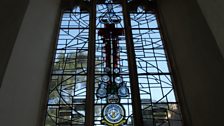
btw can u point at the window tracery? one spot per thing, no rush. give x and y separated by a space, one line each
133 83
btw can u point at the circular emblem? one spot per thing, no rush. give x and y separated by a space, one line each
113 113
105 78
107 69
116 70
118 80
123 91
101 92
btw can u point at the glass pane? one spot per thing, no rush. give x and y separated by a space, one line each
112 85
112 82
67 91
159 106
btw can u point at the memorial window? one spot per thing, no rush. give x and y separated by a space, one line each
110 67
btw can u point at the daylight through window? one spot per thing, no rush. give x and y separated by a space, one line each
130 83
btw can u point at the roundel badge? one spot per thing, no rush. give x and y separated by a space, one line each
113 114
118 80
105 78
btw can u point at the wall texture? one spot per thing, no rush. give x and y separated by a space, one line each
198 61
28 67
12 13
213 13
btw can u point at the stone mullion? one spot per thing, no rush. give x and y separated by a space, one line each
89 120
136 102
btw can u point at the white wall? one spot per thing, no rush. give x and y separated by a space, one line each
28 67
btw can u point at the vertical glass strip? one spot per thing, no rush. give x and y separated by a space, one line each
67 89
111 61
158 102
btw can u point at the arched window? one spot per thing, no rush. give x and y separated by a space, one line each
110 67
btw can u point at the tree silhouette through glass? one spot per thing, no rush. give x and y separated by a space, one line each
128 46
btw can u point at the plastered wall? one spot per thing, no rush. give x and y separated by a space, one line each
198 62
12 13
213 11
28 67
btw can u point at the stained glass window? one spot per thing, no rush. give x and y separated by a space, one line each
110 67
